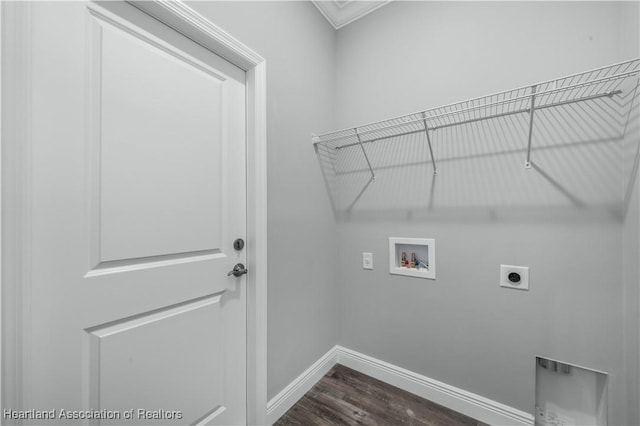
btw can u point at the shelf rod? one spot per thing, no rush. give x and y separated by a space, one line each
608 94
532 108
426 132
473 120
492 104
555 80
366 157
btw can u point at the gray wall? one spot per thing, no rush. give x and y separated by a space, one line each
562 219
462 328
298 45
631 228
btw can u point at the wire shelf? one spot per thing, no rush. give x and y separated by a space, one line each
579 110
599 83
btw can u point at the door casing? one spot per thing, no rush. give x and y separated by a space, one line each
14 172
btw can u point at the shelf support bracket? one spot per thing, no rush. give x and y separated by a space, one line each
532 108
426 132
366 157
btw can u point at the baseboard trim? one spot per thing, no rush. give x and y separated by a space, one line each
286 398
462 401
470 404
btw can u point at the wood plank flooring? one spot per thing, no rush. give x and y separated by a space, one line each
346 397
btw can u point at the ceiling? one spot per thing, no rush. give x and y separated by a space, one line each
342 12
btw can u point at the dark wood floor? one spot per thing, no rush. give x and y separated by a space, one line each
346 397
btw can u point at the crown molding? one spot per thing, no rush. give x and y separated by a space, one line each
342 12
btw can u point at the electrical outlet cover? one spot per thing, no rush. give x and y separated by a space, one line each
367 260
514 277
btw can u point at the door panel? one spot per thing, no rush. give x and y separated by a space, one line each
155 125
137 193
135 350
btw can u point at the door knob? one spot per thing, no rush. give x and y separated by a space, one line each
238 270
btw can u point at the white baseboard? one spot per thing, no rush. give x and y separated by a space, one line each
288 396
467 403
470 404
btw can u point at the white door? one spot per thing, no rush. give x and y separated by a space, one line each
138 187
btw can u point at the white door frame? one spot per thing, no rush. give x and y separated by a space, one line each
14 208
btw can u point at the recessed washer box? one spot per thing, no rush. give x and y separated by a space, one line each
568 394
413 257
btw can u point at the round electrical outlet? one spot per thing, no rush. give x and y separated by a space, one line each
516 277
